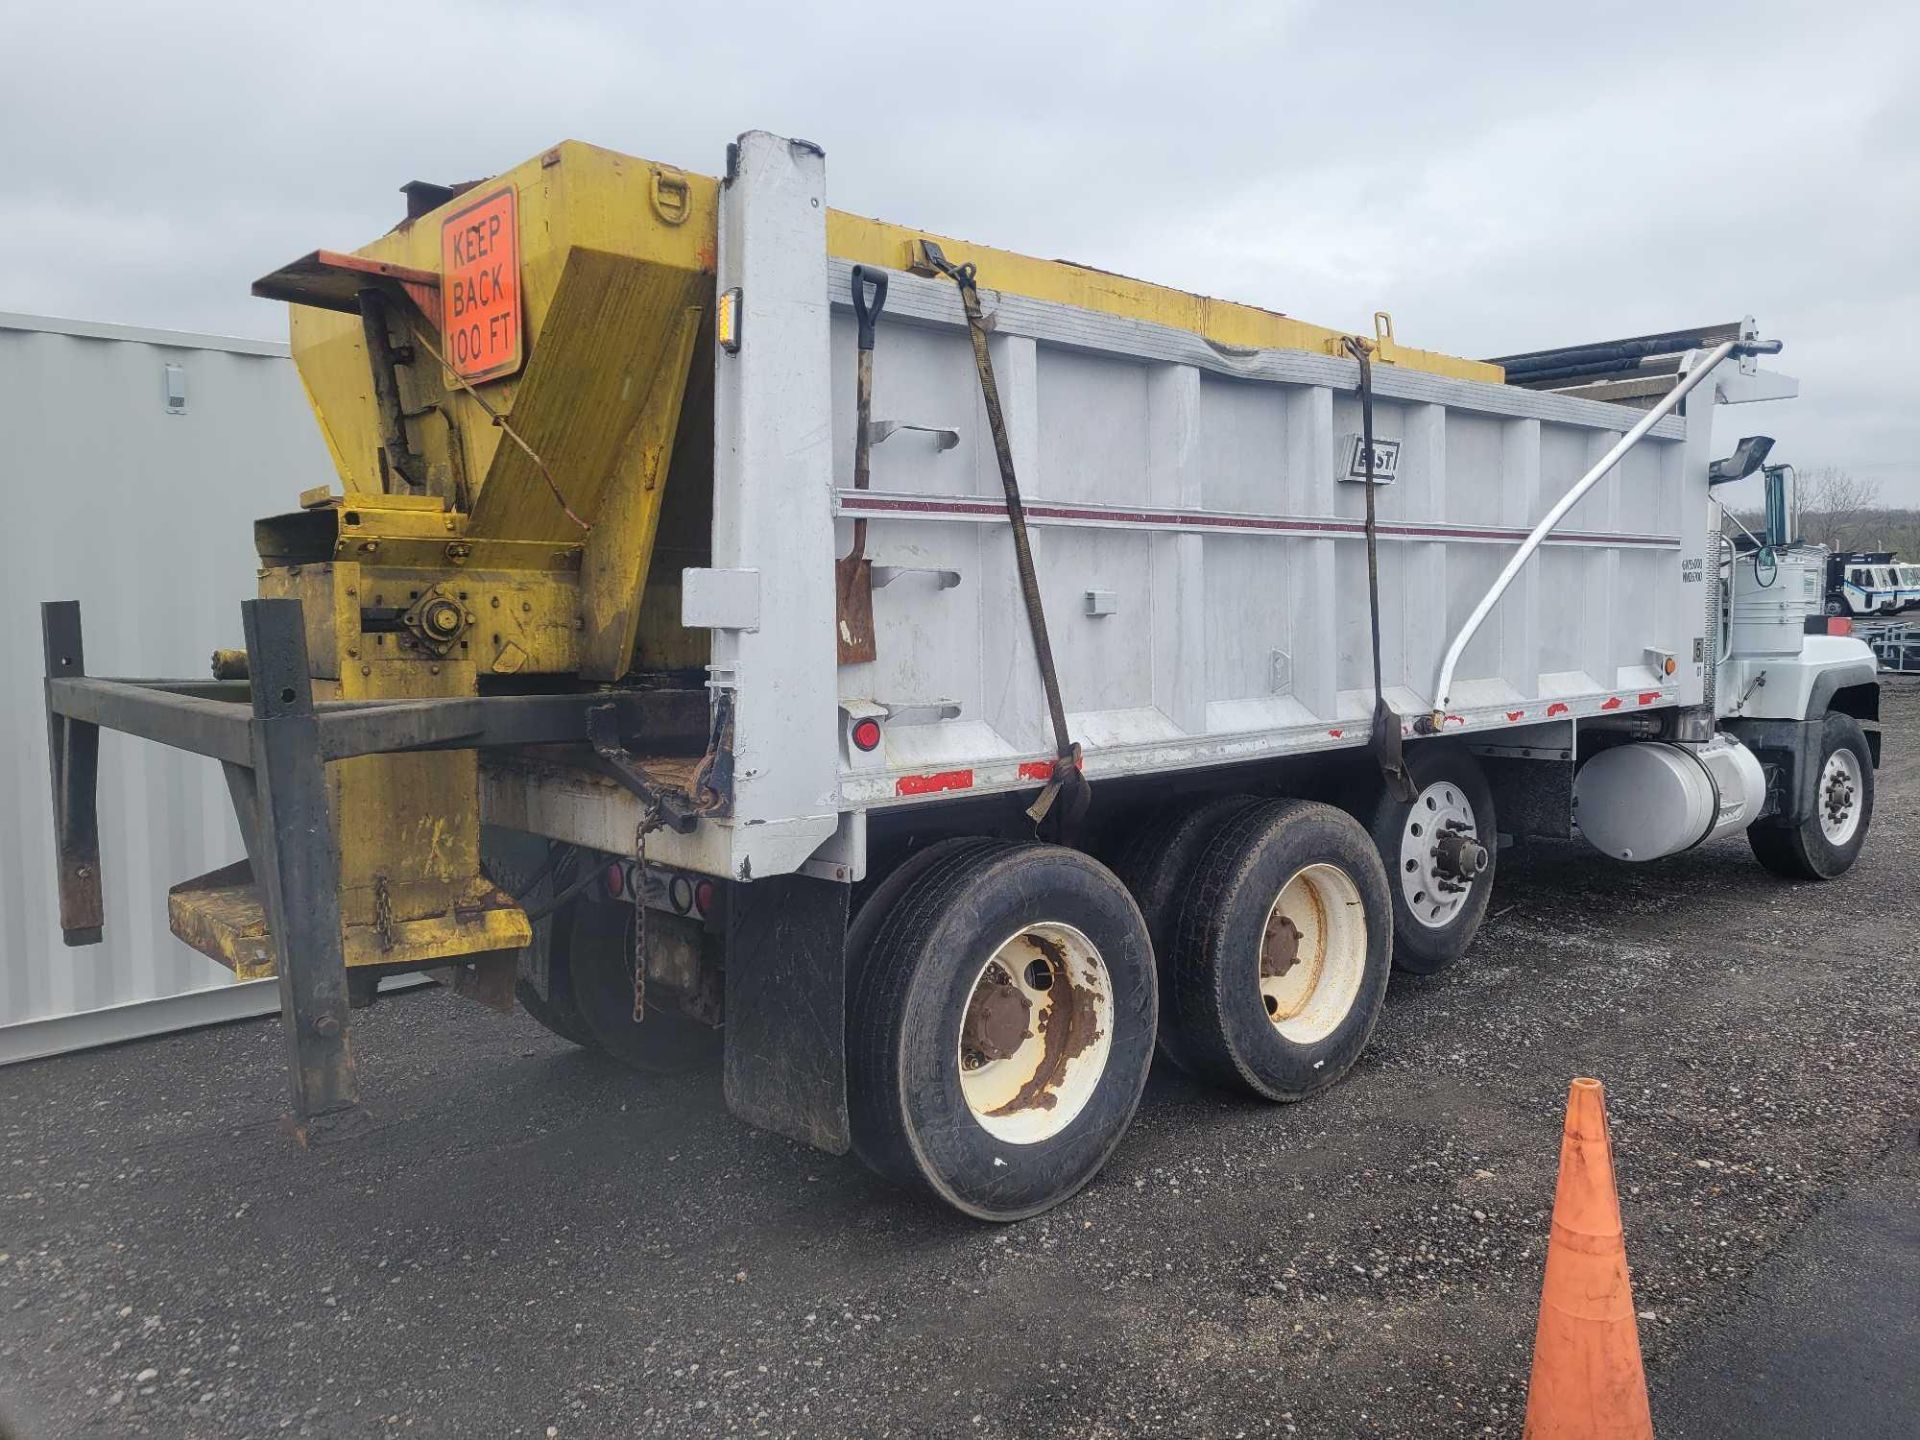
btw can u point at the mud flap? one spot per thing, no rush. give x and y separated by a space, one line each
786 1027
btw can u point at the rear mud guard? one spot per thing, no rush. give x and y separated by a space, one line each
786 1008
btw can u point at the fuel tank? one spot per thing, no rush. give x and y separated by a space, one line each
1652 798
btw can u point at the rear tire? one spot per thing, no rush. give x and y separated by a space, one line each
1825 844
528 868
599 955
556 1014
1156 865
1283 949
871 907
1432 926
1000 1026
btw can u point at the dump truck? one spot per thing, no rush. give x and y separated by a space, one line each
929 681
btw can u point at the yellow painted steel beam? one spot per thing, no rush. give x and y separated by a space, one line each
1224 322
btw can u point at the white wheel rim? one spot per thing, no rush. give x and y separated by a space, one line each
1036 1033
1439 810
1839 797
1313 953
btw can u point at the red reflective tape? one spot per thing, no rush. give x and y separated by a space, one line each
1612 702
1336 734
932 784
1556 709
1648 697
1036 770
1515 714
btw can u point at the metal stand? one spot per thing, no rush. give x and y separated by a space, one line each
275 743
297 862
73 749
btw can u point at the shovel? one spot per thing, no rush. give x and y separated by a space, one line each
853 572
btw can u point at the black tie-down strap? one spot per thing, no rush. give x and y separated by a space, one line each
1383 740
1068 782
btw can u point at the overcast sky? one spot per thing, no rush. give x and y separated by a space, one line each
1497 176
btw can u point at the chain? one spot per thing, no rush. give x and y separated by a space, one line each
382 912
649 820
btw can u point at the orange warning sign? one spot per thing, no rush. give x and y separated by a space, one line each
480 287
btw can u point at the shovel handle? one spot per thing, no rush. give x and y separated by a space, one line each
866 311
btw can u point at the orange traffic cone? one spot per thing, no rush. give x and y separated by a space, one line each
1587 1382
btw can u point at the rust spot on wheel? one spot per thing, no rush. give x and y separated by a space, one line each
1067 1027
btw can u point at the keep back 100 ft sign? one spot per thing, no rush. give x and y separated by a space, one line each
480 287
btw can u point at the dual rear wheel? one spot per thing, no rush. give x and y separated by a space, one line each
1005 997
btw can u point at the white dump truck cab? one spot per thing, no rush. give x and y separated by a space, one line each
1788 760
1796 697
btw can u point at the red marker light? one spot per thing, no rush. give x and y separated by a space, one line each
866 734
703 895
616 879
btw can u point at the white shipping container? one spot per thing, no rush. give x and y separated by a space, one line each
133 463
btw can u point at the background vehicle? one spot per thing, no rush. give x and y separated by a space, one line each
936 677
1908 578
1866 584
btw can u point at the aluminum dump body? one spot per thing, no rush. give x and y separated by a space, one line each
1200 546
1198 535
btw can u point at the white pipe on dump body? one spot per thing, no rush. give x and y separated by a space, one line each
1559 511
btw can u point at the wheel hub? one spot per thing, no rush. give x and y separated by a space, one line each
1839 797
1313 953
1441 855
1280 948
1457 855
998 1018
1036 1033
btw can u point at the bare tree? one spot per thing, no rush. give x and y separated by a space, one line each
1837 508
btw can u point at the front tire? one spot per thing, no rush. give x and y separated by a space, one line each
1825 844
1439 849
1000 1027
1284 946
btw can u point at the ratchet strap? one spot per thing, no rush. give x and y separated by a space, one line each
1383 740
1067 780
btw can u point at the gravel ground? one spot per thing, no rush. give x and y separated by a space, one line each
524 1241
